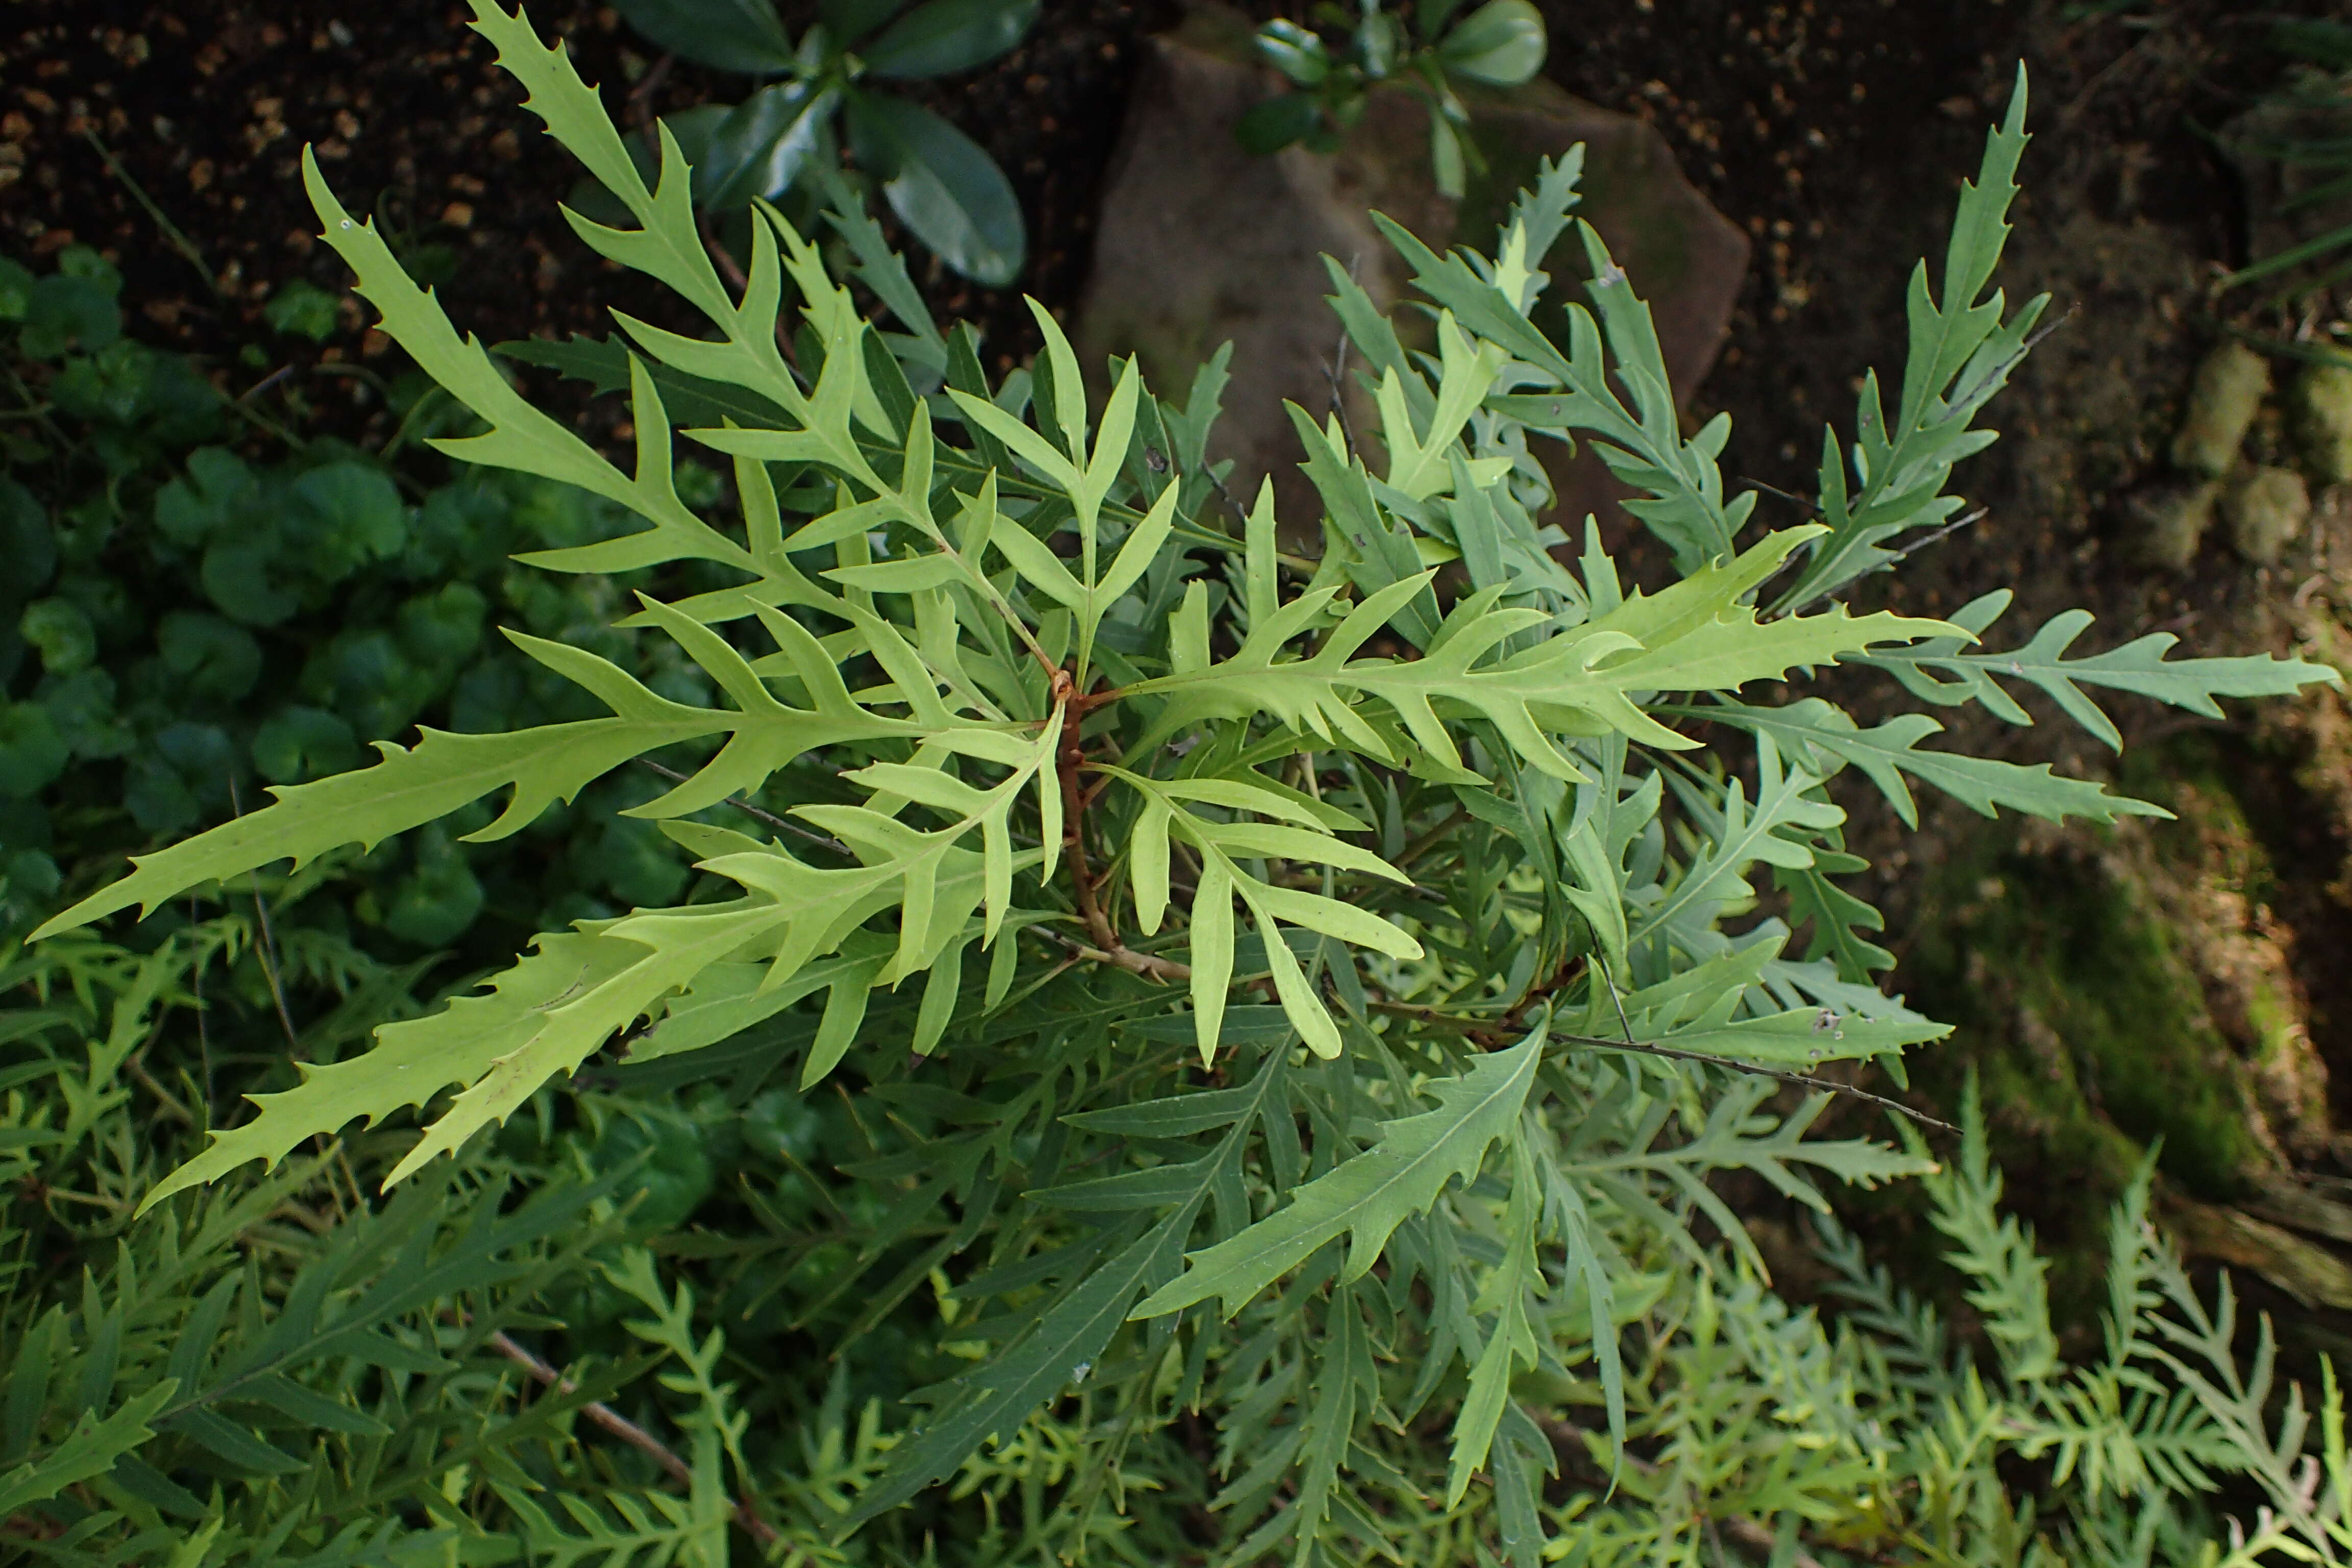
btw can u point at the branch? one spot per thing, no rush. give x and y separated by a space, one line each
1149 965
1818 1085
629 1432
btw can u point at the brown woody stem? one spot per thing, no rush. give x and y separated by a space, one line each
629 1432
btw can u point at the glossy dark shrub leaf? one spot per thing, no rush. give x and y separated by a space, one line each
730 35
758 147
943 185
1278 121
943 36
851 20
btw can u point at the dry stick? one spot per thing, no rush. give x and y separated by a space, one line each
1479 1029
629 1432
173 235
1149 965
269 945
1818 1085
1067 764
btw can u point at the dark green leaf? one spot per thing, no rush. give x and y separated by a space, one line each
943 185
729 34
1278 121
1501 43
942 37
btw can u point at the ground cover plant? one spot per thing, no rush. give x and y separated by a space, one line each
1289 1009
202 603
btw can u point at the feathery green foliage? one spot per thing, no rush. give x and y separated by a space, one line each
1164 913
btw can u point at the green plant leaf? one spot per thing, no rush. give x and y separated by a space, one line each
1937 670
728 35
1502 44
1366 1197
941 38
91 1449
943 185
760 146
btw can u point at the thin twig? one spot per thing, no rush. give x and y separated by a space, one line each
629 1432
639 108
1149 965
1811 507
137 1068
1943 532
1600 962
1335 369
268 947
782 825
1817 1085
1068 764
1218 480
265 383
1495 1030
173 235
1921 542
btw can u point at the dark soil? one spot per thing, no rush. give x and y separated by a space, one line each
203 108
1834 130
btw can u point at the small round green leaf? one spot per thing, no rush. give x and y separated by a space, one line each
296 744
943 185
437 901
27 542
66 313
302 309
32 752
949 36
1502 44
62 630
208 657
241 577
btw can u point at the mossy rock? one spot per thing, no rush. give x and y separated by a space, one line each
2076 1003
2120 991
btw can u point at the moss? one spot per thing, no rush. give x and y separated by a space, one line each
2229 389
2077 1003
2267 510
2324 421
2168 524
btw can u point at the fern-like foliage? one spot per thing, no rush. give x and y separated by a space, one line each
1313 995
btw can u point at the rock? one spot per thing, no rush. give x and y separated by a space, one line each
2222 404
1201 242
2166 524
2323 410
2266 509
